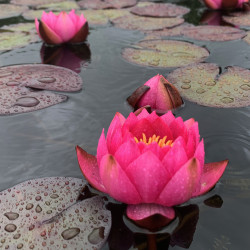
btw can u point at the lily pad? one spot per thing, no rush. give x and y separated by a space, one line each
60 6
239 19
165 53
201 84
32 14
160 10
106 4
41 76
247 37
134 22
213 33
43 213
20 27
10 10
32 2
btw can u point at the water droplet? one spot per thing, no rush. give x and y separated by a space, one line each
38 209
227 100
49 212
38 198
11 215
54 196
186 81
29 206
12 83
10 228
185 86
47 203
47 79
210 83
70 233
96 236
245 87
16 236
3 240
19 246
27 101
200 67
246 80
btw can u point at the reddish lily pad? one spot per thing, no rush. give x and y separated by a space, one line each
32 2
200 83
165 53
41 76
10 10
45 212
239 19
213 33
160 10
106 4
134 22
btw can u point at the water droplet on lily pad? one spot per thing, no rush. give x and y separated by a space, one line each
210 90
11 215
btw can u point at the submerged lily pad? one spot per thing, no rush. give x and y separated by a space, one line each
160 10
239 19
200 83
32 2
106 4
10 10
43 213
60 6
165 53
41 76
213 33
134 22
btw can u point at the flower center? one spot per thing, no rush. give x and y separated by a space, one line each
161 142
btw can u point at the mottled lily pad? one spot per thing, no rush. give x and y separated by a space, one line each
10 10
43 213
200 83
41 76
239 19
134 22
247 37
165 53
61 6
213 33
32 14
160 10
106 4
20 27
32 2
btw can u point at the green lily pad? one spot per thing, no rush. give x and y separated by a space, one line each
238 19
134 22
213 33
165 53
10 10
32 2
43 213
160 10
60 6
201 84
32 14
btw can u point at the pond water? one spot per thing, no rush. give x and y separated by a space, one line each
42 143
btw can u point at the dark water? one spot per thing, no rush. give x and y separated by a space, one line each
41 143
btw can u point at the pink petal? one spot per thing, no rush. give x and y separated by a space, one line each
176 157
144 114
193 140
168 118
213 4
161 129
178 128
154 148
116 181
101 148
212 172
89 167
142 126
148 175
127 153
182 185
37 26
200 154
142 211
189 123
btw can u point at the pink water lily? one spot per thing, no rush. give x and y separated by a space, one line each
62 28
150 162
157 93
225 4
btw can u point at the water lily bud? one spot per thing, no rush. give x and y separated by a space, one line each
157 93
225 4
62 28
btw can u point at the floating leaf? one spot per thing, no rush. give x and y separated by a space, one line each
247 37
41 76
60 6
134 22
32 14
213 33
239 19
160 10
10 10
198 83
106 4
20 27
165 53
32 2
45 212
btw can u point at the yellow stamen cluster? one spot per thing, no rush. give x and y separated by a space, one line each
161 142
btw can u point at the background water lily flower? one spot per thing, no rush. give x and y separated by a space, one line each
225 4
62 28
157 93
150 162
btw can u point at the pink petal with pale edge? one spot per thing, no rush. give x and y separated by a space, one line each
212 172
182 185
102 148
116 181
142 211
89 168
200 154
148 176
193 140
189 123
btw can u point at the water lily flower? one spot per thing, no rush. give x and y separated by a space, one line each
225 4
151 163
62 28
157 93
